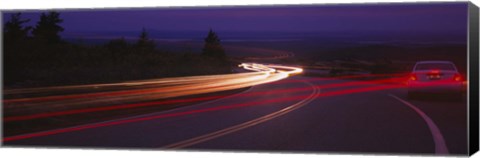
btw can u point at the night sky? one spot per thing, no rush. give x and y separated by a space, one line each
439 18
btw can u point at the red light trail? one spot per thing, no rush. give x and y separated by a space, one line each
225 107
167 102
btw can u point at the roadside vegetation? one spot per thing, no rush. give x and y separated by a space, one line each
38 56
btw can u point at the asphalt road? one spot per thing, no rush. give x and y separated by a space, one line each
269 118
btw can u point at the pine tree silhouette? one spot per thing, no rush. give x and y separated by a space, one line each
212 47
48 27
144 42
14 29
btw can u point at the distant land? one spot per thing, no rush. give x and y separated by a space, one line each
252 36
303 44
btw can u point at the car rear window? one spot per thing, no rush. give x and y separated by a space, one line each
435 66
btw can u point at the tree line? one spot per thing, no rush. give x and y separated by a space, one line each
38 56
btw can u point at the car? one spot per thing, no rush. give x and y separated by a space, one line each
435 77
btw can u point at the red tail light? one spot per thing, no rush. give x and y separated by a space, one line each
457 77
413 77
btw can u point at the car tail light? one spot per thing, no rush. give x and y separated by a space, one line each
413 77
457 77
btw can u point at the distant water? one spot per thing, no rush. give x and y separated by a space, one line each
289 41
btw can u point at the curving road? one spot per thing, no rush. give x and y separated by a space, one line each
296 114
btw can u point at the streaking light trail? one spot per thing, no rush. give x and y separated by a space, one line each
173 101
137 91
225 107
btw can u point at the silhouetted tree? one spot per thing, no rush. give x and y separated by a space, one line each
212 47
48 27
15 45
144 42
14 29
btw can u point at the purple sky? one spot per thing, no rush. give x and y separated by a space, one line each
399 18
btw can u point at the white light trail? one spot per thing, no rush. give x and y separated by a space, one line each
145 90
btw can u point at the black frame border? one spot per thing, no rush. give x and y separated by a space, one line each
473 78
